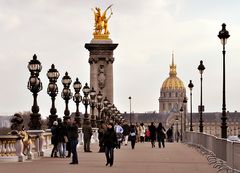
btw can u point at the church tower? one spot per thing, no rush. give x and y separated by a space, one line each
172 92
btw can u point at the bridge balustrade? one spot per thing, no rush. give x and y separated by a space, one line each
11 146
224 154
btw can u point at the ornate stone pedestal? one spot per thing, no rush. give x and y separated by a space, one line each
101 66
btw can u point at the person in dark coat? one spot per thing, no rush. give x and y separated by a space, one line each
87 134
152 130
170 134
161 135
101 130
54 139
73 139
133 138
126 132
66 125
62 137
110 142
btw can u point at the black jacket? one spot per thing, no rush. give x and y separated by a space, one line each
72 132
110 138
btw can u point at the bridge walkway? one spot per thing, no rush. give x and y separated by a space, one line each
175 158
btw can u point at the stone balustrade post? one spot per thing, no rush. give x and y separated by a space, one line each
38 141
19 150
80 136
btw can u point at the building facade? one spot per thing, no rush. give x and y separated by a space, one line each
172 93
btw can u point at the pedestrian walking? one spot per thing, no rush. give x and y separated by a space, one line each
67 124
137 132
161 135
101 130
152 130
119 131
87 134
54 139
62 138
147 134
110 142
170 134
73 138
142 131
133 137
126 132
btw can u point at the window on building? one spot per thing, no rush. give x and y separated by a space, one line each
169 106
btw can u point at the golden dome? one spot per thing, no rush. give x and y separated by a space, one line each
173 82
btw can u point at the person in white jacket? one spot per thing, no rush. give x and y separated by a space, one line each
142 132
119 131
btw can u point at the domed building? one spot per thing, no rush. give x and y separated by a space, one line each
171 98
172 92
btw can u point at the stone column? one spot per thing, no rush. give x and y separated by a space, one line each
101 66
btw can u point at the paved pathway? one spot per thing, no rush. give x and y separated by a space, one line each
175 158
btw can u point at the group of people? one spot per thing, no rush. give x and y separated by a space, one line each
111 135
65 138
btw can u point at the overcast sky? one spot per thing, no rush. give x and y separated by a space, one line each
147 32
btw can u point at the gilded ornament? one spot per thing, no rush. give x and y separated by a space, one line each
101 23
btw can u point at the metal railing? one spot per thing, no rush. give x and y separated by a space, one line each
221 153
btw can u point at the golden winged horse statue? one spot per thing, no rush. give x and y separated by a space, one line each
101 23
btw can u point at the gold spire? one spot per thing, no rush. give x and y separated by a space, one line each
173 71
173 82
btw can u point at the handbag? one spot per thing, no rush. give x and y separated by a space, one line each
132 134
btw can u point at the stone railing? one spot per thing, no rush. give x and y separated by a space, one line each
11 146
94 138
221 153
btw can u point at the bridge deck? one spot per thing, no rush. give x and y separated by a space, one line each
175 158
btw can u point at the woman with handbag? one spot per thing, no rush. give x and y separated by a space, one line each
133 138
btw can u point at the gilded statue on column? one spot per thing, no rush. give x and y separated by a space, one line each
101 23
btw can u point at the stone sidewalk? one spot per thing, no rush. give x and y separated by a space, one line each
175 158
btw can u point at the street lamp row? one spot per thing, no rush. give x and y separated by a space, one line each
95 100
223 36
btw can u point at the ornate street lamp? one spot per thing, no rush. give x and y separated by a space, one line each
52 91
185 113
34 85
85 101
190 86
181 114
66 94
109 111
119 116
177 132
77 98
201 107
99 106
92 105
105 104
130 114
224 35
113 111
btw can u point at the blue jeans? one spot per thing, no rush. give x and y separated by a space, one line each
73 144
109 154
